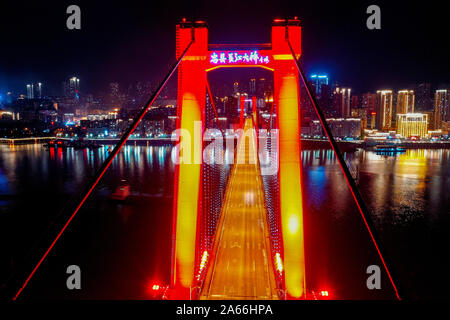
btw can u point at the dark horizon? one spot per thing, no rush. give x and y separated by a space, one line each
137 42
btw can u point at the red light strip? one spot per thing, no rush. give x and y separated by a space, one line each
355 193
106 164
212 100
242 106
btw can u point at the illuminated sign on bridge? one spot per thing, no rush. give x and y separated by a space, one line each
238 57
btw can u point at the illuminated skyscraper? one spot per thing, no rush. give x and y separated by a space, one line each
74 85
405 103
441 107
341 102
317 81
235 88
30 91
38 90
71 88
356 102
114 94
252 87
114 88
412 124
34 90
369 102
384 110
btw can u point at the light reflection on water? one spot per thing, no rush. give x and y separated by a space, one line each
411 183
400 190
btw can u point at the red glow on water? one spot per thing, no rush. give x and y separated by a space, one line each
324 293
157 290
155 287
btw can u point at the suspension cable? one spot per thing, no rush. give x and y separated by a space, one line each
108 162
351 183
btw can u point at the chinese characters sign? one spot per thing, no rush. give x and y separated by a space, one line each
227 58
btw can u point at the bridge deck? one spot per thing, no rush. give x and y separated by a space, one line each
241 266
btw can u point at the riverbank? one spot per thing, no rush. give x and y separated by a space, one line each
306 144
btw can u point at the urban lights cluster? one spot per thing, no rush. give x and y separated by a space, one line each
278 263
202 264
204 259
236 57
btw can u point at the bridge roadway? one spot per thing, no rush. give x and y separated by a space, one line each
241 264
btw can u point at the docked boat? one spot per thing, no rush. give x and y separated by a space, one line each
57 143
76 144
389 148
122 191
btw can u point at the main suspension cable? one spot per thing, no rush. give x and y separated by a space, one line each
107 163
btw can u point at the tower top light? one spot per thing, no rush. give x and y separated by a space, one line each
184 23
289 22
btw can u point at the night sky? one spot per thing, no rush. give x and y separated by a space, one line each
134 41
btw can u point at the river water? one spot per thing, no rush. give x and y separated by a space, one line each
123 248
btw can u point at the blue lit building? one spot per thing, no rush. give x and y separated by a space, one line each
318 80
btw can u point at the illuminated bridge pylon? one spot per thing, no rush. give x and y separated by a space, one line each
201 58
190 261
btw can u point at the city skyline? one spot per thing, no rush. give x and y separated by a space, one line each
124 87
339 43
309 163
385 111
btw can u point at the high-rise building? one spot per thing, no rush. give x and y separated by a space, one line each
261 88
71 88
412 124
360 113
114 88
30 91
423 97
405 101
441 107
355 102
384 110
317 82
34 90
74 85
325 101
341 102
369 101
114 94
235 88
252 87
38 90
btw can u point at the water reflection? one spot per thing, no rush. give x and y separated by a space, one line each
406 193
